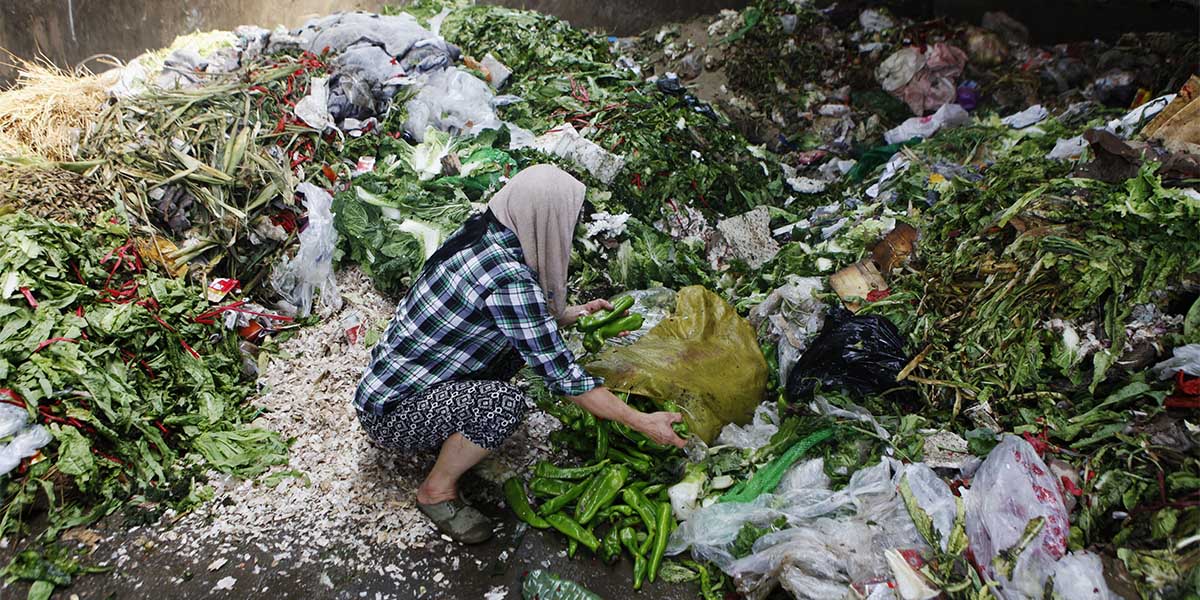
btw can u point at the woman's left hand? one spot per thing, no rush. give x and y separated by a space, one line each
572 313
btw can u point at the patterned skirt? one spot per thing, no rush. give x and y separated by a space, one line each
486 408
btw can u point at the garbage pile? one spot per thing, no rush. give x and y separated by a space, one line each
964 269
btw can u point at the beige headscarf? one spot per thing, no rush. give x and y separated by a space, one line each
541 205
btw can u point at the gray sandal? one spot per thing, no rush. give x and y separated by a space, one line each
459 520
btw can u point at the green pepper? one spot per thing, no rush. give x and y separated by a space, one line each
592 342
593 322
615 510
654 489
545 469
559 502
629 540
631 323
610 546
637 464
549 488
514 493
642 506
602 440
601 493
572 547
663 524
573 530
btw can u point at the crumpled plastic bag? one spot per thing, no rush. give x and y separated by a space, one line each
1012 487
860 354
923 80
1184 358
565 142
654 304
755 434
456 101
1080 576
704 357
946 117
311 270
834 538
27 438
791 315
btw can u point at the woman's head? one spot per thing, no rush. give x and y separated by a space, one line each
541 205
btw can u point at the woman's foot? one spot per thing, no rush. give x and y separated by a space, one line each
455 518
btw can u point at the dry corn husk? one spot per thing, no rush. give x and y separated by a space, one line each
45 111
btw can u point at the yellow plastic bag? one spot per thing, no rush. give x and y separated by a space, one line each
704 357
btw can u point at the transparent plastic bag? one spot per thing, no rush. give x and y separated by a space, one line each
654 304
1080 576
802 496
311 270
455 101
756 433
1011 488
834 538
934 497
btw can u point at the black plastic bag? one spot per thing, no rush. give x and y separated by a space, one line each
858 354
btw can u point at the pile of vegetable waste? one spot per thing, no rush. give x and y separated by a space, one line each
1041 289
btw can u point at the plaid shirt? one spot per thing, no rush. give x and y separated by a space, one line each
460 318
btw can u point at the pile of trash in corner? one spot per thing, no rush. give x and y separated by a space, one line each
965 269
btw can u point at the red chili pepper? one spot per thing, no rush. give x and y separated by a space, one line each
162 428
329 174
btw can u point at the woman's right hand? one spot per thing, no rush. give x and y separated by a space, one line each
657 426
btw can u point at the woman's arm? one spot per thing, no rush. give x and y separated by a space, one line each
657 426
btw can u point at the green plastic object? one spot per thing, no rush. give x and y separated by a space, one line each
768 477
544 585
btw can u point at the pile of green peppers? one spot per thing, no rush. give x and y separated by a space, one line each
608 324
616 504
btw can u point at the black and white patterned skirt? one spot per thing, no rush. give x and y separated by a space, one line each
486 409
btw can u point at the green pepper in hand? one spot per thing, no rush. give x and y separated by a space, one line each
591 323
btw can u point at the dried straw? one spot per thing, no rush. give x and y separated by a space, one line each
47 108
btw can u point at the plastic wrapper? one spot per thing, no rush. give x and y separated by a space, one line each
311 270
859 354
704 357
1011 488
791 315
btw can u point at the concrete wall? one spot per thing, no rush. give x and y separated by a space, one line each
70 31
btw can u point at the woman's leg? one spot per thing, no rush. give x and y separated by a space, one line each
487 412
457 456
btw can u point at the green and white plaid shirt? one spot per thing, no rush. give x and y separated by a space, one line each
460 317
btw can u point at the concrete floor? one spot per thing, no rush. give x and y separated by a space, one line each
441 569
